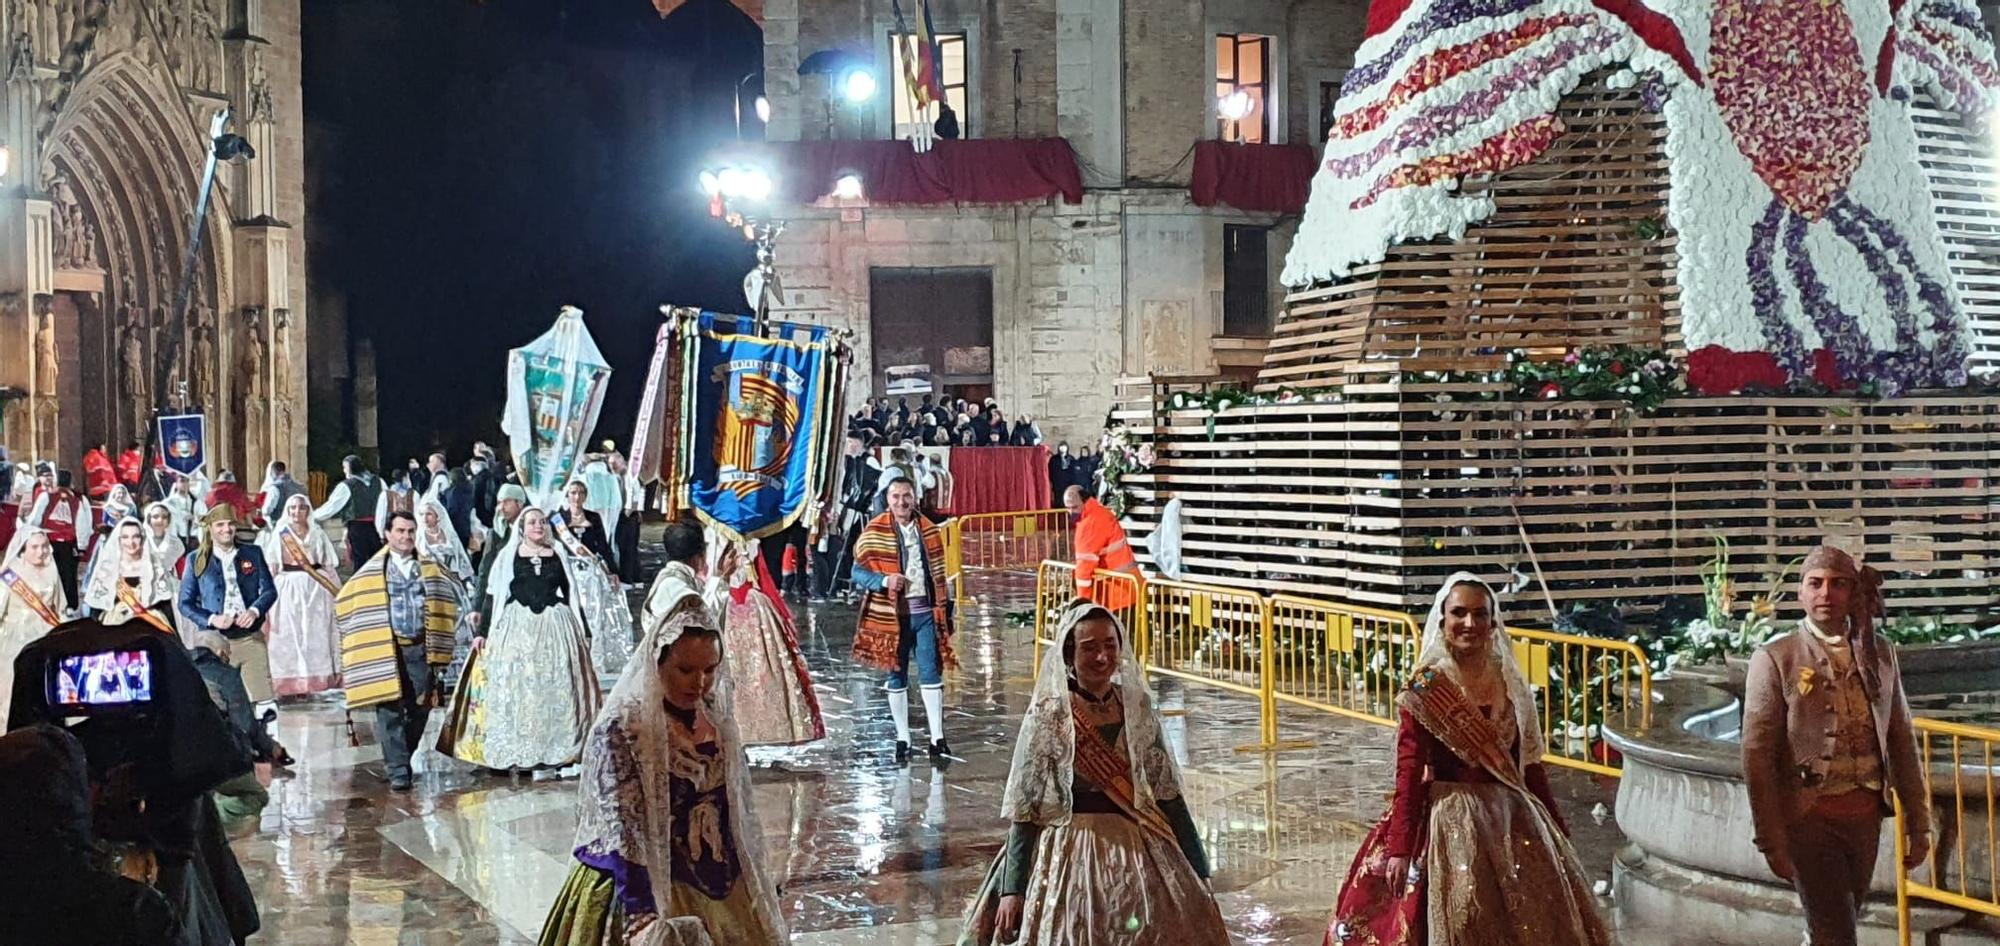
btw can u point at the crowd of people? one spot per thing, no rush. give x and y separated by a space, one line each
958 423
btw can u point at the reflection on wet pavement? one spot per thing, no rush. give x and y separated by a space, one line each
869 853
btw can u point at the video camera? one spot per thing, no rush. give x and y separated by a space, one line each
133 697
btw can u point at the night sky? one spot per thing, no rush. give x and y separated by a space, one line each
477 166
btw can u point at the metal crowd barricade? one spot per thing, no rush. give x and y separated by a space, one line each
952 531
1213 636
1014 541
1583 683
1341 659
1055 586
1958 763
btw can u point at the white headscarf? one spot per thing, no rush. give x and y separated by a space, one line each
624 799
41 579
168 548
100 589
118 505
1436 653
501 579
315 540
448 551
270 478
1039 784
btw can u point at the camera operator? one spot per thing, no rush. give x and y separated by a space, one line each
240 800
163 747
49 861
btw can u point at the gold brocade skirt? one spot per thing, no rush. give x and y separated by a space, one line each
1501 874
586 913
731 920
1101 880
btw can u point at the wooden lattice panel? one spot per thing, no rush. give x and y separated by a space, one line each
1375 500
1965 178
1561 263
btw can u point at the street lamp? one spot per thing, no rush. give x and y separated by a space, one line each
741 195
1234 108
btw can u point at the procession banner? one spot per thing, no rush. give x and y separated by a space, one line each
648 439
555 388
182 443
756 411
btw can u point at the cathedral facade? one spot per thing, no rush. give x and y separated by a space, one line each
107 121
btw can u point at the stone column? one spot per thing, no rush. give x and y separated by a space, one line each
263 286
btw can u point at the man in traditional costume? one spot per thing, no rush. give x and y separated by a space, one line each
354 502
228 587
396 617
1826 739
687 575
905 612
278 489
1100 543
65 516
506 509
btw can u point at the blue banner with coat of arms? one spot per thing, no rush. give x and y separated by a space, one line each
183 439
753 428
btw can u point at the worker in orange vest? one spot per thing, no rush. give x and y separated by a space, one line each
1100 543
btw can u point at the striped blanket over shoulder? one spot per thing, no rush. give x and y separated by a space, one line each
878 550
368 646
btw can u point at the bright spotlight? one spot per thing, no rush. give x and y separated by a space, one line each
848 187
6 160
756 185
858 85
711 184
763 109
1235 106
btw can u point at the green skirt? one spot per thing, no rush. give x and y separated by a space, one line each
586 913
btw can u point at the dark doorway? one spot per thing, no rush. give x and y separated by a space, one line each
931 326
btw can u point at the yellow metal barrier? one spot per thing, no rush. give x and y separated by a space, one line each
1014 541
952 531
1216 636
1958 763
1341 659
1055 586
1353 661
1584 682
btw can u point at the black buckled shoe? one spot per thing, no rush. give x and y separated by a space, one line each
939 751
902 752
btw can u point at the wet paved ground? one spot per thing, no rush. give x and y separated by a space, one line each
869 853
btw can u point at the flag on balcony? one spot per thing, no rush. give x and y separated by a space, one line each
922 59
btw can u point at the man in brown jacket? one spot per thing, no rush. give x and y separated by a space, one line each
1826 738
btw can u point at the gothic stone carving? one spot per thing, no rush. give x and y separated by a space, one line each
251 371
75 238
201 368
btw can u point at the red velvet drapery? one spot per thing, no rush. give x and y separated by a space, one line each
972 171
999 479
1258 178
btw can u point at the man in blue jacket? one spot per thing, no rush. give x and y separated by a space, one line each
227 587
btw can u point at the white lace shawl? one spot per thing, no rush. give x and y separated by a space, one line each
1039 784
100 587
448 551
624 798
1436 653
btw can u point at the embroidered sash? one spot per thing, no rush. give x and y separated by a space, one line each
1111 771
569 539
1444 709
295 547
129 596
28 596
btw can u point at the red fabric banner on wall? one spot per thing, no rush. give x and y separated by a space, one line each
974 171
1257 178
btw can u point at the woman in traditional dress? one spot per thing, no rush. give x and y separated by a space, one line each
1472 850
31 600
528 692
438 540
594 586
1102 848
771 690
164 543
128 583
304 644
666 838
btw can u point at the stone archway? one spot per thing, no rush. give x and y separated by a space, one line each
121 165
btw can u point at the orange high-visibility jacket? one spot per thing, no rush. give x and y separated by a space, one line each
1100 543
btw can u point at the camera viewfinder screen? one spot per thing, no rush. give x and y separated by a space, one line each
112 678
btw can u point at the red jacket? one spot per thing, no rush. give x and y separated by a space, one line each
1101 543
98 474
131 466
